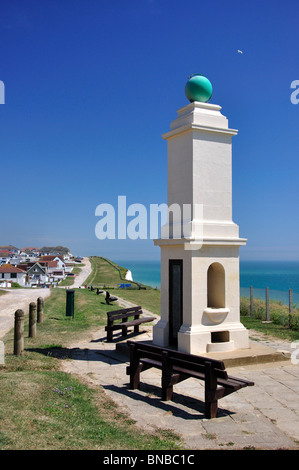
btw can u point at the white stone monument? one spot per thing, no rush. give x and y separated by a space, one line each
200 300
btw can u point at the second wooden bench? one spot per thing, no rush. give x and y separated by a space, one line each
119 320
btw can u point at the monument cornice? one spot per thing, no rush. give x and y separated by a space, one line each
215 241
199 128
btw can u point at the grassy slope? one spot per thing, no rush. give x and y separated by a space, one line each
104 273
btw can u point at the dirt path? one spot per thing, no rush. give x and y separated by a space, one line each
83 275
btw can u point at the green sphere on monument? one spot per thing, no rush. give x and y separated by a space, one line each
198 88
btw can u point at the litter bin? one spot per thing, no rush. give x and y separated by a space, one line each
70 296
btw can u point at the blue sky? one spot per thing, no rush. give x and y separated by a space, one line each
90 87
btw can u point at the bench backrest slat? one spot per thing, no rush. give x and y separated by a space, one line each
179 359
126 312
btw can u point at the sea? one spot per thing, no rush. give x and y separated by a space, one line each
278 276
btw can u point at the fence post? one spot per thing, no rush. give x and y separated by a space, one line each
40 305
19 333
267 305
251 301
291 308
32 320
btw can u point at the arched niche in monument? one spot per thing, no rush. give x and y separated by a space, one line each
216 286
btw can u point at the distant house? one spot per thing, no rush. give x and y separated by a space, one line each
59 259
11 248
50 266
15 260
13 274
37 274
34 249
5 257
28 255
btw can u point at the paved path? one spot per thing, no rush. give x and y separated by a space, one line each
265 416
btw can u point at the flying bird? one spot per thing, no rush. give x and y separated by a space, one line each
240 52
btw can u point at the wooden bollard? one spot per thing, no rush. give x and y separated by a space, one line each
40 309
2 355
19 333
32 320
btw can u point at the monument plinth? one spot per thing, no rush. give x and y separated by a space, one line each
200 300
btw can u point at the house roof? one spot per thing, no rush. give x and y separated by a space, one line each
50 264
42 268
8 247
30 248
5 252
51 257
8 268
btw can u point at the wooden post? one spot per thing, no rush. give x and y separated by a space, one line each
291 307
32 320
167 386
267 305
19 333
2 355
40 311
211 402
135 368
251 301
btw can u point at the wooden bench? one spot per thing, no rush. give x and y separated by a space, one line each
177 366
109 298
119 319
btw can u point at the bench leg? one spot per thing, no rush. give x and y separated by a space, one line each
167 392
109 335
136 329
135 377
167 382
211 403
211 409
135 368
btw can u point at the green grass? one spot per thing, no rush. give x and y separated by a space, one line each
107 274
69 280
90 312
44 410
103 272
148 299
32 387
279 315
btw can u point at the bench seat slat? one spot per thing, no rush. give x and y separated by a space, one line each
136 322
